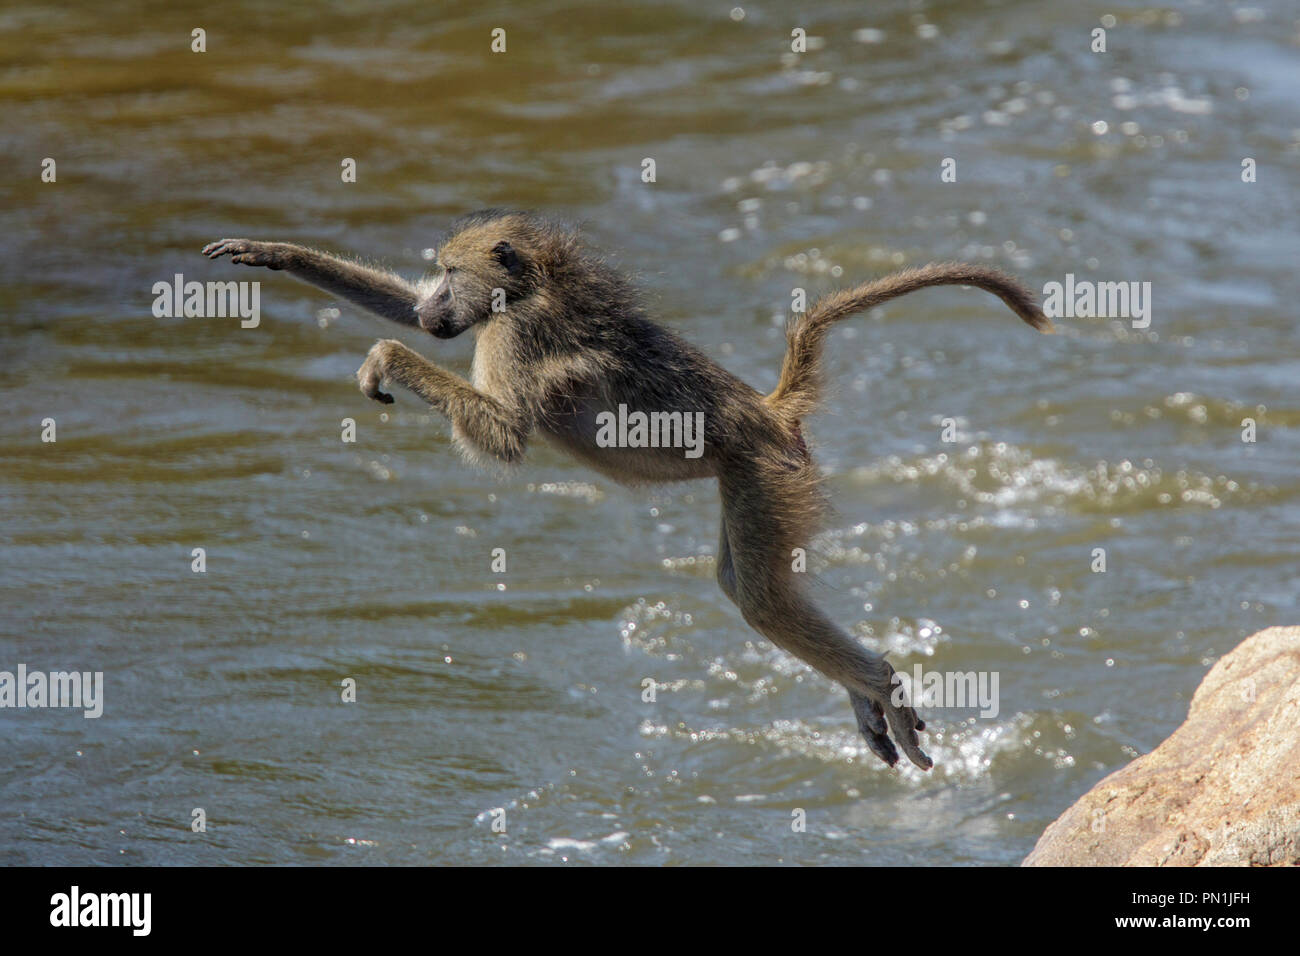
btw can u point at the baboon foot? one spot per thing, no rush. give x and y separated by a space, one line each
875 723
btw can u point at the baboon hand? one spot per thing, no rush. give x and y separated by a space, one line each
875 720
374 370
247 252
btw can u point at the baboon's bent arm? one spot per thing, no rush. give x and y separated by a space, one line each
485 425
376 290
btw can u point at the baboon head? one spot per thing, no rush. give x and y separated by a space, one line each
487 261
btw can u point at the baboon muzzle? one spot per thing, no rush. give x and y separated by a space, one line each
445 328
440 320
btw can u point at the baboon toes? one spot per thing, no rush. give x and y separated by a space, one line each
875 723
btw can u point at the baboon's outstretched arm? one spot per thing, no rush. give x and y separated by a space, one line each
376 290
488 427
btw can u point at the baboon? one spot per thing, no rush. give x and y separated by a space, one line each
561 337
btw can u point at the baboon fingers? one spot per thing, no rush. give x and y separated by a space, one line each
246 252
254 259
372 373
370 388
222 247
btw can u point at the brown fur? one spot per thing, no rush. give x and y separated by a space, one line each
571 341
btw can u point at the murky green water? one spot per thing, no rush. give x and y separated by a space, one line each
522 691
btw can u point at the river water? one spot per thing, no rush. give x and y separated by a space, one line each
521 692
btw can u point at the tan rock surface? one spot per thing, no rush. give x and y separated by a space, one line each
1222 790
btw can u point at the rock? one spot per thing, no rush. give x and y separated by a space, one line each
1224 790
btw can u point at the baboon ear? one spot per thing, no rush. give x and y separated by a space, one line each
505 254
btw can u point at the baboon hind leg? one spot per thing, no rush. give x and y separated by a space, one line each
754 569
726 570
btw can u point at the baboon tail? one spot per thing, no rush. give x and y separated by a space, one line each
799 390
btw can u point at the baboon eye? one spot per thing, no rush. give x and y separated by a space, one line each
505 254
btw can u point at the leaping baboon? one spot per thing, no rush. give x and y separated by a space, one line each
560 338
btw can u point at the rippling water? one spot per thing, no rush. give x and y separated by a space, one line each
480 692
